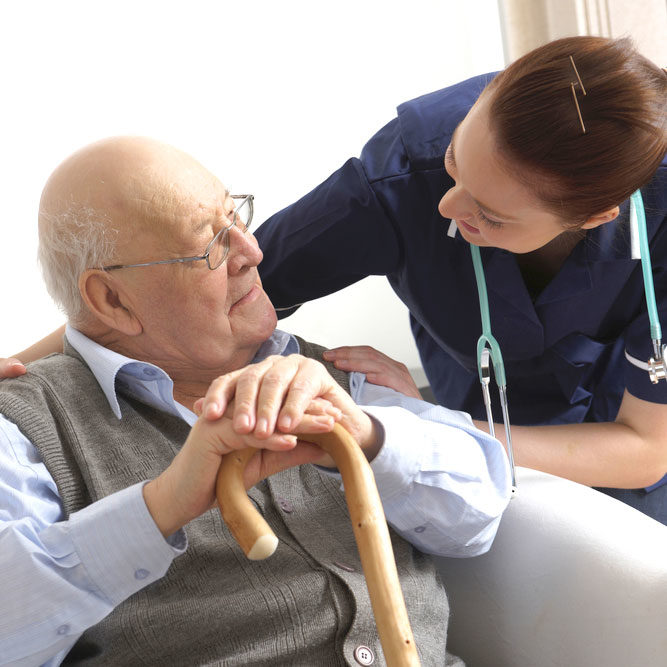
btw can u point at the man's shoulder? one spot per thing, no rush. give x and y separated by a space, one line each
52 373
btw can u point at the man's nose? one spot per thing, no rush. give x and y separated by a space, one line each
243 251
456 204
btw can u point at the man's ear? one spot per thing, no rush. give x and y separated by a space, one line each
600 218
106 301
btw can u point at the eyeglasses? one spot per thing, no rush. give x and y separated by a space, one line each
217 250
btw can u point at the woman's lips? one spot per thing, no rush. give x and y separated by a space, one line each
468 228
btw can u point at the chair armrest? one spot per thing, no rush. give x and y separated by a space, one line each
573 578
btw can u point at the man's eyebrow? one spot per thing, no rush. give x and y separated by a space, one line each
484 207
206 222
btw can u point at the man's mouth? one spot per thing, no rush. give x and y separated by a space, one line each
247 296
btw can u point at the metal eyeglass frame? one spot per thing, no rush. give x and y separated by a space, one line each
247 200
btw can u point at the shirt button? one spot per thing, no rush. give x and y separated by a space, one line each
344 566
363 655
63 629
141 574
420 529
285 505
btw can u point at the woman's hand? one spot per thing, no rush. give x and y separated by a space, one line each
11 368
378 367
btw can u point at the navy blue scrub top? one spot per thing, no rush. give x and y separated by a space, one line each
564 352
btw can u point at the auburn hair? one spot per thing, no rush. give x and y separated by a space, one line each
539 136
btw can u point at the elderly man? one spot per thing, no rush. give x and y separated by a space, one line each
109 549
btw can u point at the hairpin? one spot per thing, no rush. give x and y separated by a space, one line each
574 94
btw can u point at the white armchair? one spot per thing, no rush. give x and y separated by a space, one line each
573 579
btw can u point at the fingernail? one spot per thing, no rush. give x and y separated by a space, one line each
211 410
286 422
242 422
329 354
262 425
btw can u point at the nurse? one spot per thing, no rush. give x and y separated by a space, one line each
535 165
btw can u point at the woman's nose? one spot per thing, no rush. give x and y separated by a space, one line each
455 204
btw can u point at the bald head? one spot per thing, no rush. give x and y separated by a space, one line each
106 200
126 177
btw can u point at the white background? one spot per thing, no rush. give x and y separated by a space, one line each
271 96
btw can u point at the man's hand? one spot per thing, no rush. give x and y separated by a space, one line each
11 368
186 488
378 367
274 395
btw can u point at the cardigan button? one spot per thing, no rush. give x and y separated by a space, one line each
363 655
285 505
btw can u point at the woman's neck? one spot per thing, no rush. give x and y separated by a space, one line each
540 266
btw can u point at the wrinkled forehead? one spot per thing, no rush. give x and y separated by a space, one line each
176 197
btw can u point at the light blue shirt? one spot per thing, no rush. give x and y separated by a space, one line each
444 485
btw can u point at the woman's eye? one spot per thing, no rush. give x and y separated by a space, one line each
496 224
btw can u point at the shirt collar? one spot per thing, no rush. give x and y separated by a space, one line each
280 342
148 382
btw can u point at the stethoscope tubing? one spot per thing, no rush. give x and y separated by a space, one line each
489 348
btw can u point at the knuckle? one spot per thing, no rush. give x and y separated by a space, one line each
296 360
251 375
317 366
302 386
273 378
244 404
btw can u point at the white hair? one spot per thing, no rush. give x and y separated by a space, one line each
69 243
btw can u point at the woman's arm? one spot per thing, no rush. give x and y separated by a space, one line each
47 345
629 453
12 367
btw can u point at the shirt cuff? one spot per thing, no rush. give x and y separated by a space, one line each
395 467
120 545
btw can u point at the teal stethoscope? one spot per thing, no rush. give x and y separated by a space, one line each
488 349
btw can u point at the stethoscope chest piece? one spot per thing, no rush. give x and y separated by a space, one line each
657 368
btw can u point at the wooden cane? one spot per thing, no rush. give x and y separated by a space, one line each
258 541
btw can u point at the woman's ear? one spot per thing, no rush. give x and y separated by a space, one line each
107 302
601 218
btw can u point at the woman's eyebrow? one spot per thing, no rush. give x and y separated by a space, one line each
484 207
451 143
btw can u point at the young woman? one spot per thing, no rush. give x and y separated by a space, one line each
535 165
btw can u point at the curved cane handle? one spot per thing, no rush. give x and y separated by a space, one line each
258 541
